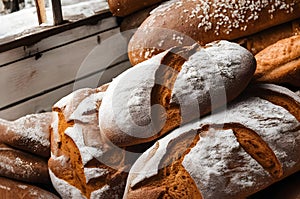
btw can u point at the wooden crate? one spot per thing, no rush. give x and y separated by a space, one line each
38 69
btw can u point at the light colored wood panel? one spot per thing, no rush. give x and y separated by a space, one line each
45 101
56 67
57 40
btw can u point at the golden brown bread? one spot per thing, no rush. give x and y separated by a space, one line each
259 41
171 89
82 163
184 22
280 62
232 154
20 190
127 7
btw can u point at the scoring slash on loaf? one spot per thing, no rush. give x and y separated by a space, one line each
184 22
173 88
83 164
231 154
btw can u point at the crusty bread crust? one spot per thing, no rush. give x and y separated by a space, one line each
126 7
20 190
186 82
30 133
280 62
231 154
183 22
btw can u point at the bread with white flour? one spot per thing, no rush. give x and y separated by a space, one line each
174 87
231 154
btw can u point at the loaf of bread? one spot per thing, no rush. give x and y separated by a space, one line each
184 22
19 190
16 164
29 133
83 164
280 62
231 154
261 40
127 7
172 88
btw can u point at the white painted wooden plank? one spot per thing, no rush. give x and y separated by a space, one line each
57 40
58 66
45 102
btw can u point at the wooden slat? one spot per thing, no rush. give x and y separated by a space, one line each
40 33
45 102
57 12
57 40
60 65
41 11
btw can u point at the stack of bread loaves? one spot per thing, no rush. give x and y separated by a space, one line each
25 149
196 117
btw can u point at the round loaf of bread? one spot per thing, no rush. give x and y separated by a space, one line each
127 7
171 89
231 154
82 163
16 164
30 133
184 22
19 190
280 62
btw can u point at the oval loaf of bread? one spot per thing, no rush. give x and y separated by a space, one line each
280 63
16 164
19 190
30 133
173 88
184 22
82 163
231 154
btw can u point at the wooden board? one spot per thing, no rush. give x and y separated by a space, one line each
55 41
44 102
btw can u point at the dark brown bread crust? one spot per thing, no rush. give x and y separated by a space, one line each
30 133
10 189
22 166
186 21
126 7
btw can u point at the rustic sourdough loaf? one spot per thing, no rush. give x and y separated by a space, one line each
173 88
19 190
127 7
184 22
231 154
280 62
83 164
29 133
